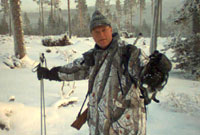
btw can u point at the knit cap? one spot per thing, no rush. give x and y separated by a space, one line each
98 19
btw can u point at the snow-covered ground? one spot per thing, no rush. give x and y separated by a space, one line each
177 114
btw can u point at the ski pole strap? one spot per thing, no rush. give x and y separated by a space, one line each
41 64
43 60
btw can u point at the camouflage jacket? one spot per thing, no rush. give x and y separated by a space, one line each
115 106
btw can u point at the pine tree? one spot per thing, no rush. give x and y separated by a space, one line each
27 24
18 35
142 8
118 13
41 13
80 28
187 50
61 23
40 26
129 10
4 26
108 12
145 29
5 7
55 24
51 25
100 5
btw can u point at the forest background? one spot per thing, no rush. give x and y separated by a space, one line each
132 16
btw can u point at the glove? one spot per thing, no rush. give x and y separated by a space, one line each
45 73
42 73
160 61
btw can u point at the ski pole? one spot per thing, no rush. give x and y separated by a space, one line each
42 98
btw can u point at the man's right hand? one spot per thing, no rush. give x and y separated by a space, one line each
45 73
42 73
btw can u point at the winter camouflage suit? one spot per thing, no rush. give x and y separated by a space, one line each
115 106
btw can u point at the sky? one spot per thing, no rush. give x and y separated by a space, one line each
30 5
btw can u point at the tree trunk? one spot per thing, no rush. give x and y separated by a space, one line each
20 50
160 16
196 21
154 27
141 10
10 23
152 5
131 25
52 15
69 20
42 16
80 15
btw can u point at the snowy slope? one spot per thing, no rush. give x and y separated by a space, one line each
177 114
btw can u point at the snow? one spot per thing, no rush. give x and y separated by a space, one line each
177 114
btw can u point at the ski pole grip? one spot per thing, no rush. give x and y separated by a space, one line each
42 59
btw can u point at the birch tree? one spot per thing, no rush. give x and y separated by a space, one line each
154 29
69 18
20 50
152 5
160 16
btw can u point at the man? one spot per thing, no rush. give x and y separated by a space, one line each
114 70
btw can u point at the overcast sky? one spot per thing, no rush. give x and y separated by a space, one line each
29 5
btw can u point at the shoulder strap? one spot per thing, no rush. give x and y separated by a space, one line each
125 60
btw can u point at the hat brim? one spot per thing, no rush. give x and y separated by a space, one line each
98 25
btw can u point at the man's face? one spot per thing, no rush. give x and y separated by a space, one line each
102 35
